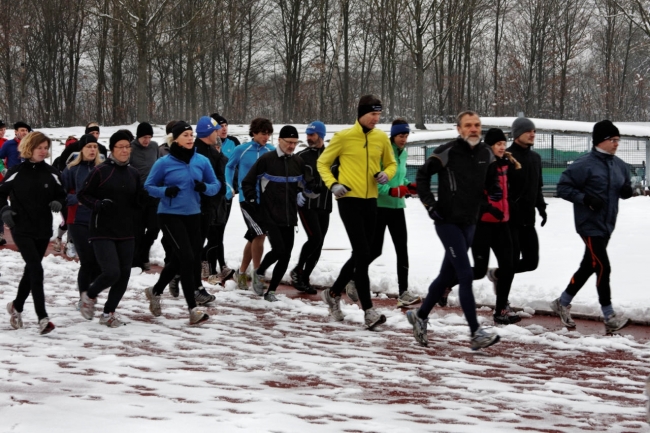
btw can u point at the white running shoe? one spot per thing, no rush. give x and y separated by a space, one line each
70 250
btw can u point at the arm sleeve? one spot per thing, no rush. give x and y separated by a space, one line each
571 184
388 160
540 204
233 162
326 160
431 166
212 184
86 195
154 183
249 183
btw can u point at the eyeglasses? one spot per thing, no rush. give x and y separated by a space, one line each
122 147
615 140
290 142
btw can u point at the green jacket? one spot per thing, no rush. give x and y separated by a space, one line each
384 199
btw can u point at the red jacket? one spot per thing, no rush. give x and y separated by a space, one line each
503 165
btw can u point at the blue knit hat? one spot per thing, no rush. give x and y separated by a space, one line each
401 128
206 126
317 127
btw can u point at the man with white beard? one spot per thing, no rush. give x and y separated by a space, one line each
462 168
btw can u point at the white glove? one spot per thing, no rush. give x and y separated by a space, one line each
339 190
300 200
381 177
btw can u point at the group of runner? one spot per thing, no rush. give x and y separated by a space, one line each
487 198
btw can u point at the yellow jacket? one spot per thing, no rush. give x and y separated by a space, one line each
359 156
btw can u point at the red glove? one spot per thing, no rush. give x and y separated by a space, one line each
400 191
413 188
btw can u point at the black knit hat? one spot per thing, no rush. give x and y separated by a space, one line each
144 128
22 125
85 139
3 124
90 129
493 136
604 130
219 118
180 127
288 131
119 136
368 104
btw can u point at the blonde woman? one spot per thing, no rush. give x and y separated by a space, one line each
78 215
35 191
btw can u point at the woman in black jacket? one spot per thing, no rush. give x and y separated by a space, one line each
112 191
35 191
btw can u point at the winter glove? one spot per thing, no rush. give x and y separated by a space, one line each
542 213
627 191
339 190
381 177
593 203
399 192
199 186
55 206
172 191
105 206
434 214
497 213
413 188
8 217
300 200
71 199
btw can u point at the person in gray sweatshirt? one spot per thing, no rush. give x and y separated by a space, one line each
144 153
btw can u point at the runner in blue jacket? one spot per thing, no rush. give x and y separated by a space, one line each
179 179
242 159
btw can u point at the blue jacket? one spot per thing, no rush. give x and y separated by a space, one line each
600 175
243 158
228 146
73 181
171 171
9 150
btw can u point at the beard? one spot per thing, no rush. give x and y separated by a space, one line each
311 143
472 140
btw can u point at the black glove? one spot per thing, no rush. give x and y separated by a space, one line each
496 212
542 213
105 206
56 206
592 202
172 191
8 217
199 186
434 214
627 191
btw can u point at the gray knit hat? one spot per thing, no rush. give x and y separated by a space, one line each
521 125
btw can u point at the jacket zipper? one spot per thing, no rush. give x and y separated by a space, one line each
286 190
367 166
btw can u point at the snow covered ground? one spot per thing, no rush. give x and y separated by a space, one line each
283 367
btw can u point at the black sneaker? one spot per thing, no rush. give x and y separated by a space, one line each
505 318
202 297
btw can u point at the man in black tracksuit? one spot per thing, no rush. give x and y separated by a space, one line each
462 168
314 213
206 139
525 196
276 175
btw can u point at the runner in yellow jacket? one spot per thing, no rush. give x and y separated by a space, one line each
359 154
362 151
